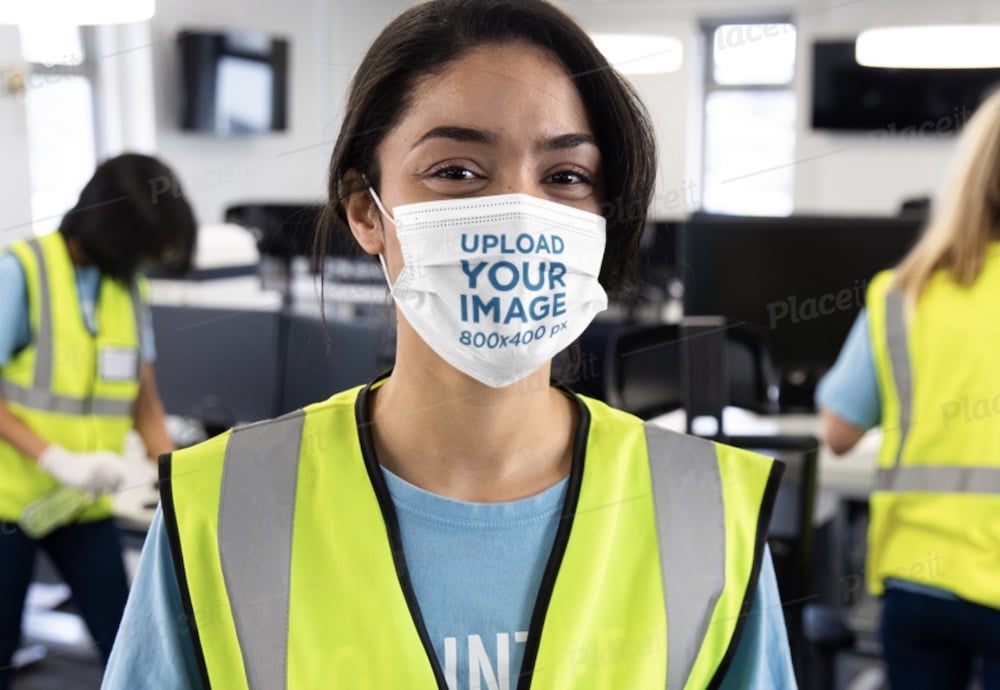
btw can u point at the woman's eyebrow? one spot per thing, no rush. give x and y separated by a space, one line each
567 141
457 133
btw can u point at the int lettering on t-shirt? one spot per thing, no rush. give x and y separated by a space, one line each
475 664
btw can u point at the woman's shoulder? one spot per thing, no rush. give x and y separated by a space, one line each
341 404
606 414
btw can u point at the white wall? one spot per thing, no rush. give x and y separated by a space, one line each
15 209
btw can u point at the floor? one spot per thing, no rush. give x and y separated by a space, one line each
71 662
60 673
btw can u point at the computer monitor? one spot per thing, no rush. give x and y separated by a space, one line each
797 283
313 372
220 366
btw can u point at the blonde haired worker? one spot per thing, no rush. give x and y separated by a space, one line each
922 363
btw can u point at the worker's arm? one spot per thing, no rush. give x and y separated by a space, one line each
14 335
16 433
848 397
839 435
148 415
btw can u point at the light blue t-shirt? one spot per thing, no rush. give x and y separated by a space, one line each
15 328
475 569
850 388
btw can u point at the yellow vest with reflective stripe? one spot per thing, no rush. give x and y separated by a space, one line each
291 568
935 511
63 385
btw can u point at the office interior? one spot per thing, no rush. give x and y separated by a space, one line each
776 200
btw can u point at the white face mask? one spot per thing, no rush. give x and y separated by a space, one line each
498 285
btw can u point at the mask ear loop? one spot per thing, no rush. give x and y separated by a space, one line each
381 208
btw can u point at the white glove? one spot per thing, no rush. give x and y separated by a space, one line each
94 472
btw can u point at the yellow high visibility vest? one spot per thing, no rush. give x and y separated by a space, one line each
70 387
291 568
935 510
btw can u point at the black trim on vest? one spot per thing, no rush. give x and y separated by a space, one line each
177 557
399 559
548 582
763 521
392 528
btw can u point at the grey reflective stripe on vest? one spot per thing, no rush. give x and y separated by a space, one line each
932 478
940 479
42 380
685 473
140 331
40 396
45 401
899 357
255 542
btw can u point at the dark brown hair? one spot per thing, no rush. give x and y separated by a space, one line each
425 39
131 211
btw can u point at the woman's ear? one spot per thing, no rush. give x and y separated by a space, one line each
362 214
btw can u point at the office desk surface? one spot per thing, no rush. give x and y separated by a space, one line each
851 475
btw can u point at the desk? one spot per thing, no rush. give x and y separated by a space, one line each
843 486
850 476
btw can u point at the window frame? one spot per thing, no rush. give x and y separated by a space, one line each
708 28
87 69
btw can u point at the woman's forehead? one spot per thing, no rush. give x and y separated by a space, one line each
512 89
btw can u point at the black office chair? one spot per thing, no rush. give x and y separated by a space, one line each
718 366
642 369
791 532
752 374
282 229
643 366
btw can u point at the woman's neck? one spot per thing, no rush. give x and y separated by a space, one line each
449 434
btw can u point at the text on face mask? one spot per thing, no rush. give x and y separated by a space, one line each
516 277
524 243
496 341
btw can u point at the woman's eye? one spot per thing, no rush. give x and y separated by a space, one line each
570 177
454 172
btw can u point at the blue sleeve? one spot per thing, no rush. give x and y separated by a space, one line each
850 388
153 648
15 330
148 353
763 660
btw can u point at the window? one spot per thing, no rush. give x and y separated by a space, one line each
59 111
749 140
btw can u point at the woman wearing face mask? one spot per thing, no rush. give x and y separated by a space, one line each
76 375
921 363
462 520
